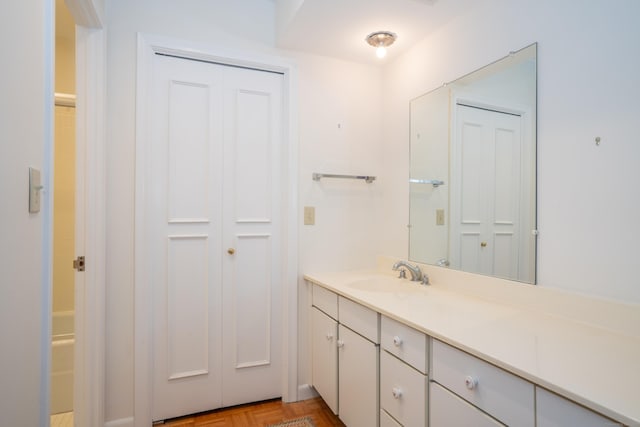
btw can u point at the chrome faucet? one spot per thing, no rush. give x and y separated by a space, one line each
416 274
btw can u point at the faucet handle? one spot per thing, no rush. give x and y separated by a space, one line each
403 274
425 279
442 262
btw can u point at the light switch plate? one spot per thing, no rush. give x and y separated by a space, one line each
34 190
309 215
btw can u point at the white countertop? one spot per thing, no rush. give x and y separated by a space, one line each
583 357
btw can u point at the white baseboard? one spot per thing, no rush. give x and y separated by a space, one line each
122 422
306 391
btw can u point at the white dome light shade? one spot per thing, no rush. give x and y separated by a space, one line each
381 40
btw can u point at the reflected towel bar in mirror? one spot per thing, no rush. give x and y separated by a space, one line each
368 179
434 182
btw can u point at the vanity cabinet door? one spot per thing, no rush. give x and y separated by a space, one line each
324 357
448 410
555 411
358 379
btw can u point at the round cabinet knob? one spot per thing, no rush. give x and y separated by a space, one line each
231 251
329 337
483 244
471 382
397 341
397 392
340 343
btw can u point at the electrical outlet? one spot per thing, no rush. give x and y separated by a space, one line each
309 215
439 216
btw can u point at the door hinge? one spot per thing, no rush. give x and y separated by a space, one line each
78 263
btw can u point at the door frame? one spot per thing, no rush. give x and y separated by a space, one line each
90 294
527 168
148 46
89 305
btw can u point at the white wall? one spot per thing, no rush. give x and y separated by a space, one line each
340 132
26 113
285 11
331 92
588 86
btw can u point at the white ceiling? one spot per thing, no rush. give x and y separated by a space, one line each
338 27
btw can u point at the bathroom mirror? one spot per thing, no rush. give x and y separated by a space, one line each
473 171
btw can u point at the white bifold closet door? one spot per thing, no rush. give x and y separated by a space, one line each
214 237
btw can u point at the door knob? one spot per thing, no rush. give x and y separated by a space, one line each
483 244
231 251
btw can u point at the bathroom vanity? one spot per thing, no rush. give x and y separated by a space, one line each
470 350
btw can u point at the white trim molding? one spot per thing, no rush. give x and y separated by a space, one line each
45 262
122 422
306 391
148 46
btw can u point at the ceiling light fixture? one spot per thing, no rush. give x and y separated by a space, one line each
381 40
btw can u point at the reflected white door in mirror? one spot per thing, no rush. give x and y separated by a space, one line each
486 217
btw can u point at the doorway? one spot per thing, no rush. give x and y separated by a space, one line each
64 222
86 42
63 309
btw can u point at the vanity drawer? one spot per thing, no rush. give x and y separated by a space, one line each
359 318
556 411
403 391
325 300
405 343
504 396
387 421
448 410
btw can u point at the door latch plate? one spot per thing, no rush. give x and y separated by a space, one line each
78 263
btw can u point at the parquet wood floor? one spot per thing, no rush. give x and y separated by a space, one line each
262 414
